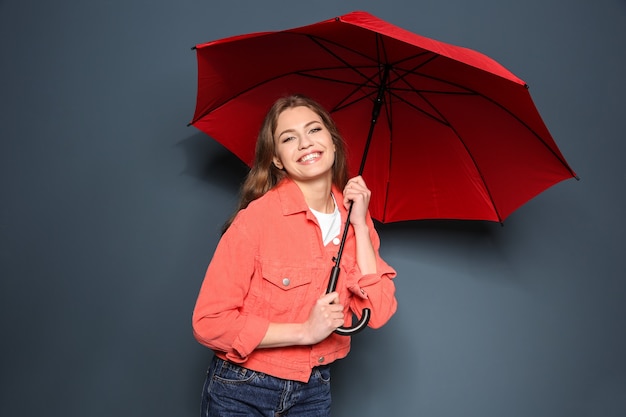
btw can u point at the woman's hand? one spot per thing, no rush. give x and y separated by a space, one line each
356 191
325 317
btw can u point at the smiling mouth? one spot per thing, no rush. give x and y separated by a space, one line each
310 157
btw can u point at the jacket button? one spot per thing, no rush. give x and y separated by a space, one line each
286 281
321 359
336 241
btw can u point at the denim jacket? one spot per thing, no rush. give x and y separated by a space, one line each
271 266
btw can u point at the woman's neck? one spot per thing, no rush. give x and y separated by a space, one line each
318 196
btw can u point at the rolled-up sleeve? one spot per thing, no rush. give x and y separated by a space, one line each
218 321
374 291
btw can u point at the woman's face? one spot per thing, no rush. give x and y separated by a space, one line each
304 146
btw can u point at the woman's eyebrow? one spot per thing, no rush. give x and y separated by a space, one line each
293 130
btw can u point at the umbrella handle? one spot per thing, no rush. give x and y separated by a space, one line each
347 331
365 318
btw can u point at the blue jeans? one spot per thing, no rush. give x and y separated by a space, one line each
231 390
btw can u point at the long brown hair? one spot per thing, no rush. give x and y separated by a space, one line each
264 175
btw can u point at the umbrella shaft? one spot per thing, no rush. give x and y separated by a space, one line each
378 103
334 277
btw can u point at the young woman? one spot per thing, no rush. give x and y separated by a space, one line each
262 307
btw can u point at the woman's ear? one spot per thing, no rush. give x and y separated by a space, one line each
277 163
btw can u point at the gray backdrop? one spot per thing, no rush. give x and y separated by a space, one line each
110 209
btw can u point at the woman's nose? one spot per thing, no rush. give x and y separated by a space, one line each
304 142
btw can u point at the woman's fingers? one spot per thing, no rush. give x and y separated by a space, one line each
357 194
325 317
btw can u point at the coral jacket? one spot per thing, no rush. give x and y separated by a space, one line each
271 266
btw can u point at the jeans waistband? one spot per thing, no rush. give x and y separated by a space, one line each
234 366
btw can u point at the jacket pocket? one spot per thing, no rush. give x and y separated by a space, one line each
287 289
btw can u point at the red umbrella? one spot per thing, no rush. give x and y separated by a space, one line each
457 137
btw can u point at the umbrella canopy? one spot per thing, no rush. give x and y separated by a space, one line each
457 137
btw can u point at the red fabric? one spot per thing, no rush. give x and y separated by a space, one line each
458 135
277 237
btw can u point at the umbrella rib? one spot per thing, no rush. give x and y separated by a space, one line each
482 177
410 88
317 41
468 91
552 151
447 123
342 104
267 81
388 113
380 50
441 119
513 115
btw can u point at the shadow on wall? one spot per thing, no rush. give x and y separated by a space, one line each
209 162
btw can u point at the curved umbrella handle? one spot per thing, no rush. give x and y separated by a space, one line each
365 318
347 331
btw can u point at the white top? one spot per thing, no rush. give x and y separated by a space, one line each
330 223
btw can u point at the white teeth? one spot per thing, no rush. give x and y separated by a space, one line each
310 156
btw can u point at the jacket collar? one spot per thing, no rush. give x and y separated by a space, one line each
292 199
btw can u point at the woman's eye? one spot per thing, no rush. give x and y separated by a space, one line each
315 129
288 138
